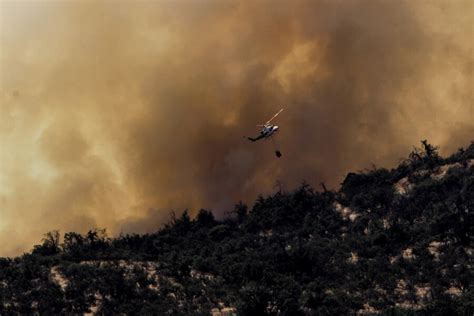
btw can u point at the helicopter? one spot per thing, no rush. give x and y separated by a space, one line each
267 132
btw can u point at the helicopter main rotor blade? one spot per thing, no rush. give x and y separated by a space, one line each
273 117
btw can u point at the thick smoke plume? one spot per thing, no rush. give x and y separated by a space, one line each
115 112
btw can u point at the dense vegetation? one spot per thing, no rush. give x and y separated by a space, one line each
396 242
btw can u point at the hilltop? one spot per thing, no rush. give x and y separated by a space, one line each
393 242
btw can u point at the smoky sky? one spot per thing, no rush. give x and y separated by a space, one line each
113 113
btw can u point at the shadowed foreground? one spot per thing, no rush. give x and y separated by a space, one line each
396 242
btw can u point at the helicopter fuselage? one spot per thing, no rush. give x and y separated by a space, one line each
268 130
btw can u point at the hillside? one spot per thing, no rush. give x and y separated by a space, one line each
393 242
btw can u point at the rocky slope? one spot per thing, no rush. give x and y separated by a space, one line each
394 242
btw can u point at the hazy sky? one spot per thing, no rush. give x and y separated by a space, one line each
112 113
